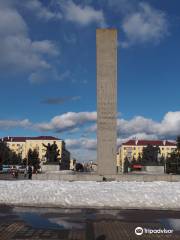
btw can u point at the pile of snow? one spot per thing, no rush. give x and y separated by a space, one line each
156 195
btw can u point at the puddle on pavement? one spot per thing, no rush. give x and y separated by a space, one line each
171 223
62 218
77 218
39 221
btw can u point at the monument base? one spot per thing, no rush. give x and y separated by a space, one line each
50 167
67 176
155 169
95 177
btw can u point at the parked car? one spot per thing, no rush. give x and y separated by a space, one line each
21 169
136 167
6 169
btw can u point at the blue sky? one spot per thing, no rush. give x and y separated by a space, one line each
48 69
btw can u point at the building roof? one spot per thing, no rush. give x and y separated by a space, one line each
151 142
23 139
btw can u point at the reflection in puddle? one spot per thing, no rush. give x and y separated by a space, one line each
42 210
67 224
171 223
37 221
71 219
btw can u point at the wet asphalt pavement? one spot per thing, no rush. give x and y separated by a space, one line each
19 223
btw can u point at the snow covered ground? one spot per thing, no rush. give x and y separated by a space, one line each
147 195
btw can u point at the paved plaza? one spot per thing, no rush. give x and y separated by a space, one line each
78 224
76 176
8 176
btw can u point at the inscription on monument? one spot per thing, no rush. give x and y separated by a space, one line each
106 48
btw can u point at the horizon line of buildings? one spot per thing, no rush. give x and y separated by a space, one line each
21 146
131 149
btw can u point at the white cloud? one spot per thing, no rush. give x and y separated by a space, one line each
84 143
145 25
45 47
122 6
83 15
143 127
92 128
11 23
18 52
67 121
167 128
83 149
39 10
170 125
138 126
7 124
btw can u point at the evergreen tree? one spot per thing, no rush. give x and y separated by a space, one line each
172 163
33 158
7 156
162 160
174 157
150 155
139 159
4 153
126 165
178 145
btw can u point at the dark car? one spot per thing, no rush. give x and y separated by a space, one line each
6 169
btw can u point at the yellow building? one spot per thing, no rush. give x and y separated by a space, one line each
21 146
72 164
118 162
133 148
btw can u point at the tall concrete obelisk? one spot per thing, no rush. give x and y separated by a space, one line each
106 62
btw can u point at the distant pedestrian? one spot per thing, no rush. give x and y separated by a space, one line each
29 172
25 172
16 173
40 169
